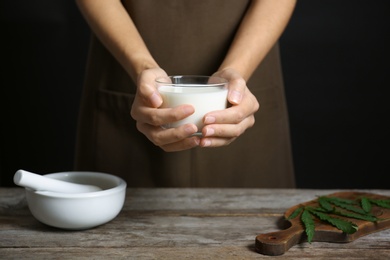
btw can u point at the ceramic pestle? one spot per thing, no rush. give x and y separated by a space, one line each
41 183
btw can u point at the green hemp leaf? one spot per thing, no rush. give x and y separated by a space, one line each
366 204
345 205
381 203
308 221
347 214
324 203
296 213
345 226
330 206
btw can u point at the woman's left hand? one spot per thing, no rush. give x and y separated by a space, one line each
224 126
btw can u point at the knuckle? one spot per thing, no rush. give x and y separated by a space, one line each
240 116
252 122
188 143
237 132
134 110
176 114
177 117
231 140
155 120
155 138
133 114
166 148
256 106
141 128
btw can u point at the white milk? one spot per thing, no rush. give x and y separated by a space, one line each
203 98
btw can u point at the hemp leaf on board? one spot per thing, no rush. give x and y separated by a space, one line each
345 226
308 221
366 204
296 212
328 206
381 203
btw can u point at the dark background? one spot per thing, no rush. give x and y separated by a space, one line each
335 62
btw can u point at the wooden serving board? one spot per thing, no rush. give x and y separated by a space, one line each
277 243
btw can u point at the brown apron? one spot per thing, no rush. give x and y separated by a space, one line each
185 37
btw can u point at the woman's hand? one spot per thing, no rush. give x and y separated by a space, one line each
150 118
223 127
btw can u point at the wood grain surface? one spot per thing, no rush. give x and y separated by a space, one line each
177 224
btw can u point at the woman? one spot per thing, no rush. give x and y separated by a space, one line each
138 41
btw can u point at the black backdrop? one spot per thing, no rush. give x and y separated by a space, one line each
335 62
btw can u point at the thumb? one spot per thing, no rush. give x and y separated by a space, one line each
146 87
237 85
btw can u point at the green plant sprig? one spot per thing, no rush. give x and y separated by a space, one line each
353 209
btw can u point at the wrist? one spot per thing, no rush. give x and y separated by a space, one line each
139 63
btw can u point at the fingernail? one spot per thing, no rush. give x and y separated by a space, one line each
235 97
156 99
197 141
190 130
206 143
209 120
188 110
209 131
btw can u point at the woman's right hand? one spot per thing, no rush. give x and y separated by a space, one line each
150 117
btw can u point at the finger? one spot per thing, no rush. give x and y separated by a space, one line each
146 87
185 144
236 90
228 130
215 142
236 85
235 113
164 137
161 116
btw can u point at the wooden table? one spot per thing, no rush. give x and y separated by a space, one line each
176 224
